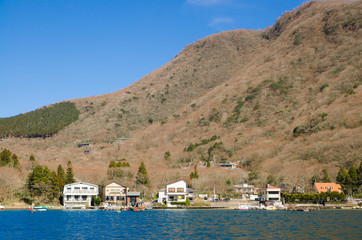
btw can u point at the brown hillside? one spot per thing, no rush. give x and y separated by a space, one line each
285 101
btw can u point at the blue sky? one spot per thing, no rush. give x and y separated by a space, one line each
55 50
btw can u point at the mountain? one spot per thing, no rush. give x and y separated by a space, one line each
284 102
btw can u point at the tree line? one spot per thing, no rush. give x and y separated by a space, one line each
46 185
43 122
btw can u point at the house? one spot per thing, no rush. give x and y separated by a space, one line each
270 193
79 194
133 198
175 192
244 188
328 187
114 193
231 165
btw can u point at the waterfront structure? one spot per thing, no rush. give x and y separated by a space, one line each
328 187
270 193
79 194
133 198
114 193
175 192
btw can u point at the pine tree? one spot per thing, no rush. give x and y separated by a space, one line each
353 179
142 175
15 160
343 179
194 174
69 177
32 158
5 157
325 178
61 175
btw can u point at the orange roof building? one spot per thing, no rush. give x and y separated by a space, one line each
328 187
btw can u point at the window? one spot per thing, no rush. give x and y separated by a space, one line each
76 188
84 197
180 189
69 188
171 190
322 187
76 197
68 197
118 198
181 197
85 188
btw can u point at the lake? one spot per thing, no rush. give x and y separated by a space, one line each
181 224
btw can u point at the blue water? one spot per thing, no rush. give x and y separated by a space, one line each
181 224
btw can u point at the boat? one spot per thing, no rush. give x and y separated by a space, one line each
2 207
270 208
39 208
242 207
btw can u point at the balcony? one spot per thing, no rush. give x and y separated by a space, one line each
80 191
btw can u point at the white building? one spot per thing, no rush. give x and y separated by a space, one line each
270 193
79 194
175 192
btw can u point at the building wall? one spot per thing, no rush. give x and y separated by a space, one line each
79 194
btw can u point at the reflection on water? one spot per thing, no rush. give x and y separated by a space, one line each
181 224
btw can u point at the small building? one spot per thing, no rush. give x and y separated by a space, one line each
270 193
175 192
244 188
231 165
328 187
79 194
133 198
114 193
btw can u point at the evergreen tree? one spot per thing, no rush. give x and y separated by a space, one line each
32 158
343 179
325 178
353 179
69 177
61 175
142 175
194 174
56 186
5 157
15 160
39 181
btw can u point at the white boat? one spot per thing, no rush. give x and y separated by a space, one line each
2 207
39 208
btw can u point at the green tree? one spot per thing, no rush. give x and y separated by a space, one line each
194 174
39 181
343 179
208 163
32 158
97 201
167 156
5 157
353 179
142 175
15 160
56 186
61 173
69 177
325 178
228 182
